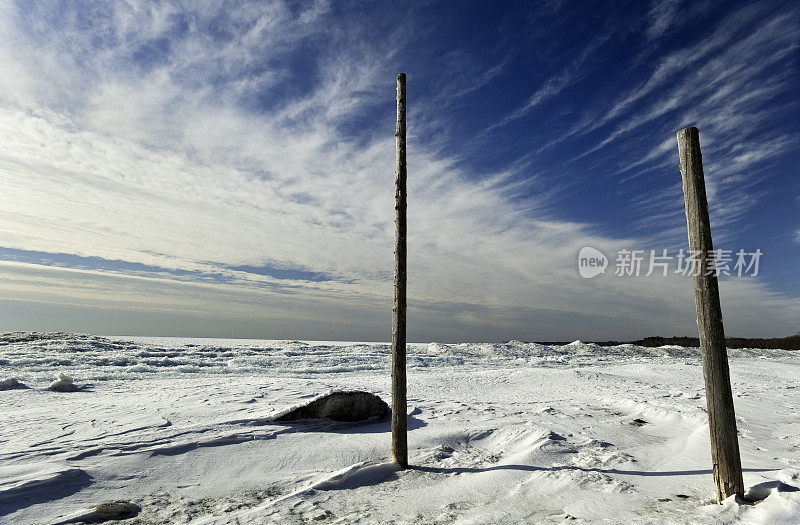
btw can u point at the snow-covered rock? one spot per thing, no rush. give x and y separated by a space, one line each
106 511
340 406
11 383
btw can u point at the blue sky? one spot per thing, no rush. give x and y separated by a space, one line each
226 169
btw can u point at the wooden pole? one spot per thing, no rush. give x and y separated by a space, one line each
399 430
719 397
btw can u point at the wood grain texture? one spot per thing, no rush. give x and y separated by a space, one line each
399 430
727 465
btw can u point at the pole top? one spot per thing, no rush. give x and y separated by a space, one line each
689 130
401 76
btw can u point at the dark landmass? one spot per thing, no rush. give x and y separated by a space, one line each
785 343
781 343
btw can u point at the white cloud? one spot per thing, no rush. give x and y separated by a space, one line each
165 167
661 17
575 70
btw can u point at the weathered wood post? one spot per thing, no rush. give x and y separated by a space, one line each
399 430
719 397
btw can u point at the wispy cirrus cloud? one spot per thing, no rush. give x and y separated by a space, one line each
575 71
661 16
217 161
732 86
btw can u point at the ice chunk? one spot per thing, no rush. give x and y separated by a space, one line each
64 383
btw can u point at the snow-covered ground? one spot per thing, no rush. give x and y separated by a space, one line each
498 433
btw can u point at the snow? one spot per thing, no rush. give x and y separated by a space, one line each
498 433
63 383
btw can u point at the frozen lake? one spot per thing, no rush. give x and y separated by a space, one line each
500 433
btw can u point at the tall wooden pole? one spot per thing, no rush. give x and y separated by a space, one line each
719 397
399 430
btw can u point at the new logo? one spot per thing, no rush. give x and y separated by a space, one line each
591 262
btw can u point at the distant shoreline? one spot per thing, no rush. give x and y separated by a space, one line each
791 342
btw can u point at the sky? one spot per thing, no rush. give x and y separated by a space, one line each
226 169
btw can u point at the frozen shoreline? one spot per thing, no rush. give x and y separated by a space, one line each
498 433
93 358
